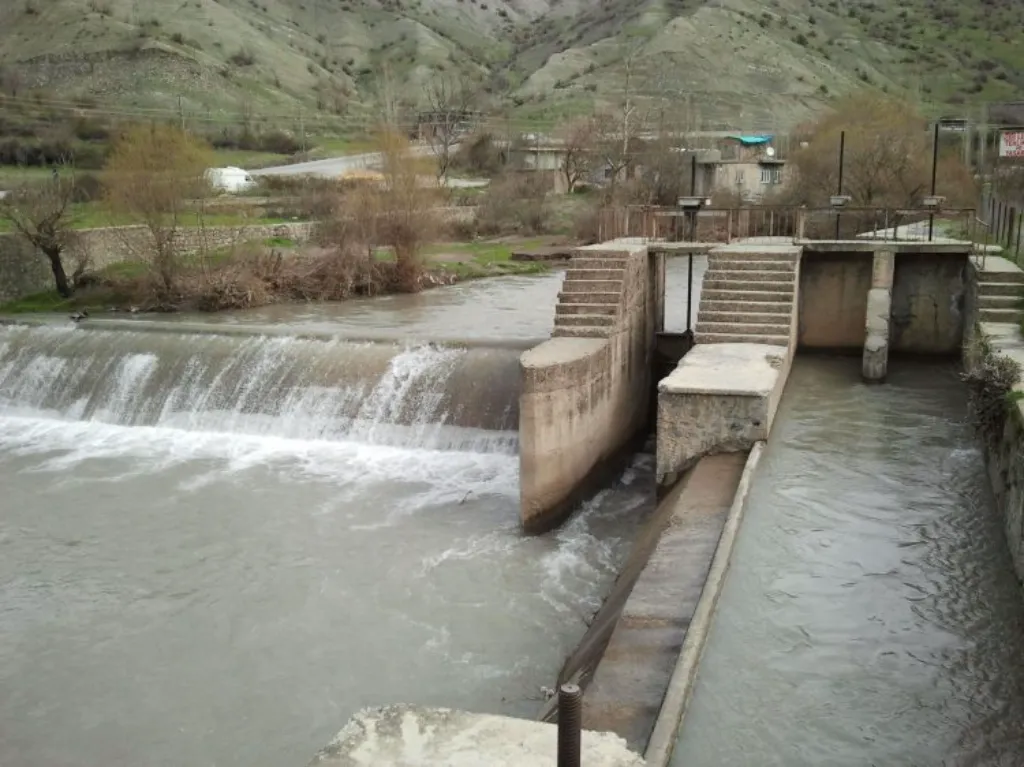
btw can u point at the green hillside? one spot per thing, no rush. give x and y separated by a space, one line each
294 63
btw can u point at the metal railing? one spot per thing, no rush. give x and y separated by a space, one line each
792 223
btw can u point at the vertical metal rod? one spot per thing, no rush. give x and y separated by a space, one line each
1020 225
570 722
693 175
839 191
935 168
689 289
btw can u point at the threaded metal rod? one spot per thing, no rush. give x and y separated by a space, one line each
570 722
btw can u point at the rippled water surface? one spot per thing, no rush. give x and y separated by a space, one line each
871 616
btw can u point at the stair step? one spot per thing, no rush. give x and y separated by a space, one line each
999 288
728 294
578 262
709 314
1000 277
712 283
609 310
734 338
712 304
593 274
589 297
591 286
717 264
1001 302
1011 316
749 275
762 257
595 320
744 328
582 331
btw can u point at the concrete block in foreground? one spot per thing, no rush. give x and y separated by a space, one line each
415 736
720 399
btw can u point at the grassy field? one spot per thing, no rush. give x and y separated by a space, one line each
94 215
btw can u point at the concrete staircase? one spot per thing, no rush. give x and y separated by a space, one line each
747 297
1000 292
588 305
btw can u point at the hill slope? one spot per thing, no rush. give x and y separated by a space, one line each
731 62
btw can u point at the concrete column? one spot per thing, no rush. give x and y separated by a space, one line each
876 341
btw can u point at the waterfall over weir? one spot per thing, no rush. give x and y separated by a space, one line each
429 397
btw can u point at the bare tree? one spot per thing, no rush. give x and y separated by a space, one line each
577 151
42 216
887 159
618 131
448 102
387 98
152 175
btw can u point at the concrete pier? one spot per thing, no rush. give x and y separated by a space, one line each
720 399
585 392
876 339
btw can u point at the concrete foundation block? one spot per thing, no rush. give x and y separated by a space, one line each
718 400
413 736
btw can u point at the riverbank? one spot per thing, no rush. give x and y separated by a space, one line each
279 270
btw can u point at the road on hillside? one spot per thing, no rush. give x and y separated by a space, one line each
333 167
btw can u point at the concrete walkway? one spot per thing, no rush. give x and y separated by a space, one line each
631 680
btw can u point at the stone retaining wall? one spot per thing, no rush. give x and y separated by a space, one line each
24 272
1004 455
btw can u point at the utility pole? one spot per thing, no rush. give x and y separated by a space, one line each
302 130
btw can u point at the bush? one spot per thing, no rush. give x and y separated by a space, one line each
514 203
990 392
276 141
479 156
88 188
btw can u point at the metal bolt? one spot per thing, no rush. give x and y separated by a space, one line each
570 721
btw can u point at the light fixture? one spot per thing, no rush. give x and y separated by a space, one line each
839 200
692 203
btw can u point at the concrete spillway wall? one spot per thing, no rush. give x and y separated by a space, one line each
585 392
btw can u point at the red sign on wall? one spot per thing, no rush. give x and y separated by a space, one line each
1011 144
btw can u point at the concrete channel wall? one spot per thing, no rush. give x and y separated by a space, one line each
585 392
925 296
993 330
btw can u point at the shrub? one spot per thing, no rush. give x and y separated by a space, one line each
516 203
990 392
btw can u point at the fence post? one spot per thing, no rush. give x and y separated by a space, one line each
801 222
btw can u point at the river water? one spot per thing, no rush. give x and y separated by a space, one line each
215 549
871 615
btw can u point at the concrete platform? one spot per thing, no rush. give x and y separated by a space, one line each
633 677
413 736
720 399
736 369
